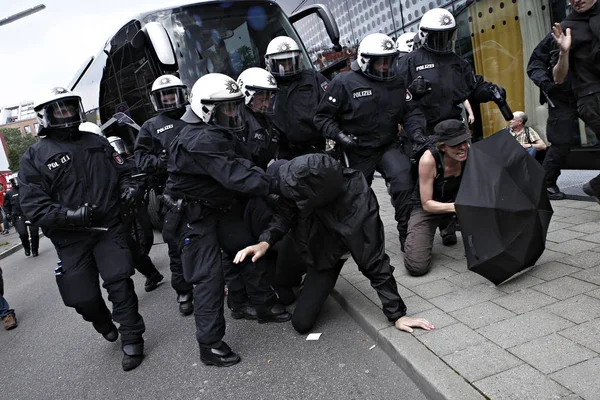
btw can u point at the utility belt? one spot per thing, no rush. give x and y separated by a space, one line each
181 204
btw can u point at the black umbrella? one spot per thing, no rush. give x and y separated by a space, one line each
502 208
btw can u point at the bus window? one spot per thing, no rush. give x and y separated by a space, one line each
226 38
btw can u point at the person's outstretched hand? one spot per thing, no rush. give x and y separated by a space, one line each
257 250
407 323
563 39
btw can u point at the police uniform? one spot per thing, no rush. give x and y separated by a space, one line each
157 135
562 125
371 110
64 171
295 107
205 176
13 208
260 139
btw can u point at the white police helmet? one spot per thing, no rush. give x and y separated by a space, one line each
283 57
59 108
437 30
377 54
91 128
405 42
168 93
217 100
259 88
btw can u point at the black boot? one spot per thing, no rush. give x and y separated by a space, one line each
244 311
133 355
222 356
587 189
111 335
34 253
276 313
153 281
554 193
449 240
186 303
27 252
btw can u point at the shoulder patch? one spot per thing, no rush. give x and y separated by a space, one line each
408 95
358 93
324 85
118 159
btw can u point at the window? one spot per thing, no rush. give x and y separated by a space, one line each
27 129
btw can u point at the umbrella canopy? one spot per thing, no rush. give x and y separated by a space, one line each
503 208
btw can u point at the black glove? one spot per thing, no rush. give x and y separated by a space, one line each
419 87
163 158
80 217
274 186
498 92
132 196
548 87
345 141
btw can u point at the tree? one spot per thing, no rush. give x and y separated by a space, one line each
16 145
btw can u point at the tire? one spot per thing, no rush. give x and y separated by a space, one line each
154 202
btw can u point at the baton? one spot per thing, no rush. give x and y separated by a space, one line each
78 228
550 103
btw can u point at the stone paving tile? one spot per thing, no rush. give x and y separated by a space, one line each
450 339
565 287
551 353
587 334
581 378
482 314
458 266
524 301
573 246
552 270
591 275
581 217
366 289
565 211
435 274
437 317
587 227
481 361
521 383
594 293
523 328
557 225
416 304
465 298
435 288
404 291
563 235
549 255
456 252
592 237
586 259
578 309
355 278
519 283
569 203
468 279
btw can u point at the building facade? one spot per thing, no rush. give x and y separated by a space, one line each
496 36
19 116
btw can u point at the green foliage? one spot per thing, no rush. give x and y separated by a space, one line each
16 145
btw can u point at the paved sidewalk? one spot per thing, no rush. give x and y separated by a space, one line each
11 243
534 337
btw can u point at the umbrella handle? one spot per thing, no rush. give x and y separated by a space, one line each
470 242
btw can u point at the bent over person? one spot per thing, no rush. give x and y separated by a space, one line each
71 184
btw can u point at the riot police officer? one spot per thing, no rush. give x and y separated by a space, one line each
169 98
205 178
301 89
71 185
13 208
562 126
439 79
361 111
260 137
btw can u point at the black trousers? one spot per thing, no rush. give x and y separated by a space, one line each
85 255
178 282
140 238
203 234
395 167
589 111
26 232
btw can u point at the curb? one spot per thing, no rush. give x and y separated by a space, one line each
435 378
14 249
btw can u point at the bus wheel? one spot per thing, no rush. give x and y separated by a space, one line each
154 202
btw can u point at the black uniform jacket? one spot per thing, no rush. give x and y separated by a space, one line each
56 175
156 135
203 166
260 138
12 204
295 108
368 109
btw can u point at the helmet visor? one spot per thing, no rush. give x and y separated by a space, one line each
285 64
169 99
118 145
440 42
382 68
229 114
64 113
263 102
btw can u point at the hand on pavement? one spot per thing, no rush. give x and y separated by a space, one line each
407 323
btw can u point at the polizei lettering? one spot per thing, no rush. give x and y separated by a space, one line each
58 161
164 128
424 66
362 93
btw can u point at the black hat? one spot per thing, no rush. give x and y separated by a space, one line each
452 132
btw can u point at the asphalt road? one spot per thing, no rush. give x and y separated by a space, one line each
54 354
